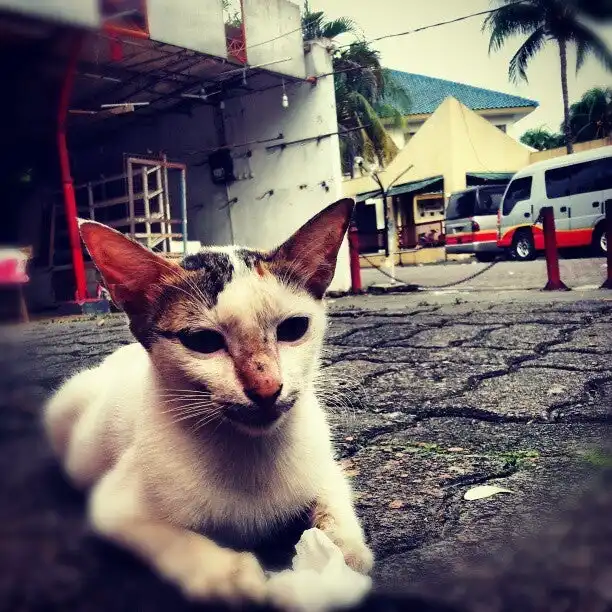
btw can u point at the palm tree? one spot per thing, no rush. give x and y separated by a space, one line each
363 88
315 25
541 139
543 21
591 116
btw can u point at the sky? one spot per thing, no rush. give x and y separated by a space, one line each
459 52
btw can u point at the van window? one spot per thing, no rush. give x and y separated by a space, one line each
586 177
518 190
489 201
461 205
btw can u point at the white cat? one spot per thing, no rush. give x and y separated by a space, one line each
209 429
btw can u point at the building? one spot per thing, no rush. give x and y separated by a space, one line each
455 148
427 93
164 121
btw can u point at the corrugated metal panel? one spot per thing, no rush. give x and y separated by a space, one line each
491 176
191 24
274 36
362 197
414 186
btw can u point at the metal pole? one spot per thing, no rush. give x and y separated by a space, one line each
550 248
607 284
183 196
78 263
353 240
391 235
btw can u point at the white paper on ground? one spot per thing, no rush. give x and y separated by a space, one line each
320 578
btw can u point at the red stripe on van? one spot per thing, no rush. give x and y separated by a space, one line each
565 238
472 237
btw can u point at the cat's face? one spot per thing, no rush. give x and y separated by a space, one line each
234 333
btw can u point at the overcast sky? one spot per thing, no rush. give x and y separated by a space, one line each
459 51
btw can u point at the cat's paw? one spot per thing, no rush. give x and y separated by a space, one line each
226 576
356 552
357 555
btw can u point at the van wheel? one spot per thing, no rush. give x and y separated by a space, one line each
523 248
600 240
485 257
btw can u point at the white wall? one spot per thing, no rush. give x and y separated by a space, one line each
295 173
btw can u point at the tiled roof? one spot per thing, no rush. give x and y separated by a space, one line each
427 93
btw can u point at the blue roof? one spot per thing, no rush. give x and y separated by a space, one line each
427 93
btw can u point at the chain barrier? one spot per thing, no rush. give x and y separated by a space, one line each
444 286
498 258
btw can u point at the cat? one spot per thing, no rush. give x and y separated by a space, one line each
207 434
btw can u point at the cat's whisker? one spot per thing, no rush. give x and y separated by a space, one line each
179 398
187 407
185 392
195 415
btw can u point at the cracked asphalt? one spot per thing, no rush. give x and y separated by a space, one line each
425 400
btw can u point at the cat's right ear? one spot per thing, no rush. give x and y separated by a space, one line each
132 274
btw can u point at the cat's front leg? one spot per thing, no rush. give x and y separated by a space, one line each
201 569
335 515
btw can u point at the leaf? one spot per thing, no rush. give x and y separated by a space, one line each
396 504
484 491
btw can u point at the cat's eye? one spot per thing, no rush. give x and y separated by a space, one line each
202 341
292 329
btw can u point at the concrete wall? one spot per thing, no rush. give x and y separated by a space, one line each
74 12
578 147
295 174
180 137
274 35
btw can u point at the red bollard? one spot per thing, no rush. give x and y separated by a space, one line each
353 239
550 249
607 284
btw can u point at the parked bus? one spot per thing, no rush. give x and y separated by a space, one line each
577 186
471 221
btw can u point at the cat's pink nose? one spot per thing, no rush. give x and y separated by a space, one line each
264 397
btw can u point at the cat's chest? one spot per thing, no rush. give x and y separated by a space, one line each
242 501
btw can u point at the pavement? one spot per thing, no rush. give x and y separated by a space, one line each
576 272
429 396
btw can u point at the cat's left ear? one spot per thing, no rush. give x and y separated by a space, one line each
309 256
132 274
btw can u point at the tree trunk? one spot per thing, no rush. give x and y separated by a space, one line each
567 128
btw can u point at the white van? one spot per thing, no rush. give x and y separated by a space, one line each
577 186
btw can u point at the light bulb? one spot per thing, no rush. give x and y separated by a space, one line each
285 101
222 105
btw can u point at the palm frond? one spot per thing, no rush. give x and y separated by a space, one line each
390 113
517 68
511 20
393 90
315 25
343 25
383 144
588 43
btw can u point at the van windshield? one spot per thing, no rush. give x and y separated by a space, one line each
518 190
461 205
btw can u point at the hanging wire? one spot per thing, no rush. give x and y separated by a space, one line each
397 34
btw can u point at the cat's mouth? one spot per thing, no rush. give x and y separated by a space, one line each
256 420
